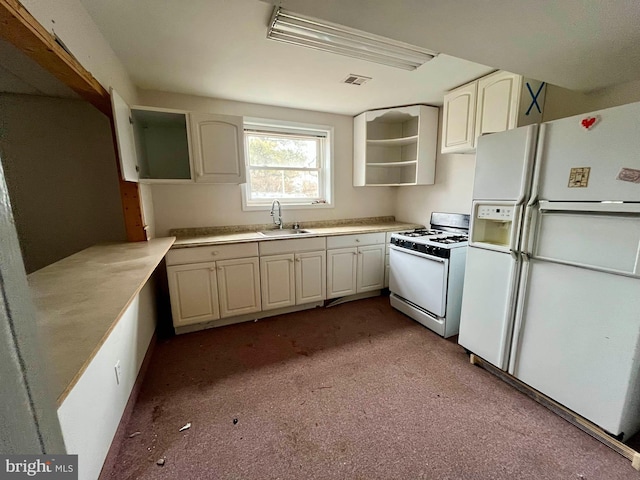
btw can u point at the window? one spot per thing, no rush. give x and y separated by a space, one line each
287 162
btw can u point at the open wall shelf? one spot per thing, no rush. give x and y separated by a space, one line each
395 146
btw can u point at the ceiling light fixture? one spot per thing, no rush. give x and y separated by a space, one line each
311 32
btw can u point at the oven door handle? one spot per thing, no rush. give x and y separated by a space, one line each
418 254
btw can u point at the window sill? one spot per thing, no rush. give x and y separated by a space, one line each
286 206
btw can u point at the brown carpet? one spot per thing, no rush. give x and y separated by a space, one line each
356 391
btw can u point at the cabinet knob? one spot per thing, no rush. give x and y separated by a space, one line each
297 259
215 252
220 268
213 269
357 240
291 260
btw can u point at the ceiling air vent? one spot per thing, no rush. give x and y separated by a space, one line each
353 79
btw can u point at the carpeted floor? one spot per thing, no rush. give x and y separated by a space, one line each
356 391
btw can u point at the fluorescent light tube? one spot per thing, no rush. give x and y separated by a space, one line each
330 37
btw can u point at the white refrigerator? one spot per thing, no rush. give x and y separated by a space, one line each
571 326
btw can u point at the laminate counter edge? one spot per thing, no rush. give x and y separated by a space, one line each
254 236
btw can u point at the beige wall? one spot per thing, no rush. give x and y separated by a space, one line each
203 205
561 103
450 193
61 174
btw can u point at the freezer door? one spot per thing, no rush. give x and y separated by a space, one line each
578 342
503 165
487 304
601 237
598 163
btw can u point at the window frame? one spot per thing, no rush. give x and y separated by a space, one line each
295 129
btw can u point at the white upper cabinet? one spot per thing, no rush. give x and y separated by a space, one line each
218 148
153 143
458 119
495 103
395 146
498 100
124 134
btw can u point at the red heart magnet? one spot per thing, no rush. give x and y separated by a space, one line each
588 122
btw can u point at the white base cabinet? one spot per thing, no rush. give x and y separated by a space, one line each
213 282
278 281
358 267
295 277
370 268
311 277
238 286
342 271
194 293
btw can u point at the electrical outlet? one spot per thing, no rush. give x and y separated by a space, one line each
118 372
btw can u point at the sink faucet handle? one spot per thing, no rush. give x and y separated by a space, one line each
296 226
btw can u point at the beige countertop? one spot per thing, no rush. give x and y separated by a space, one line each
80 299
315 231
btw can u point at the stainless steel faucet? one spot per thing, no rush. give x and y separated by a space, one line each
277 218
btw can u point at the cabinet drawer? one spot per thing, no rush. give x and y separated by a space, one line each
344 241
293 245
180 256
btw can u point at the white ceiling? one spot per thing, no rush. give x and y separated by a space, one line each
218 48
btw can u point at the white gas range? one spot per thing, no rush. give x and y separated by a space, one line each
427 272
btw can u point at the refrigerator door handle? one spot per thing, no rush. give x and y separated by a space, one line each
535 184
530 218
514 238
519 315
604 207
530 149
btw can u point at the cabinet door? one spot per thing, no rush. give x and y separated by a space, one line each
238 286
341 272
370 268
218 148
311 277
122 121
458 119
194 293
277 281
498 98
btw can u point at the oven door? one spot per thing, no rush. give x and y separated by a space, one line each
419 278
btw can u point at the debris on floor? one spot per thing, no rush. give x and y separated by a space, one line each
135 434
186 427
160 461
235 421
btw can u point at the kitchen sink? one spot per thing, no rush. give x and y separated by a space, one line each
285 232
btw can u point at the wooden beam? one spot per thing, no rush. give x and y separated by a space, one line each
20 28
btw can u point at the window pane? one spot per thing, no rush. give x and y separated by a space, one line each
284 184
277 151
